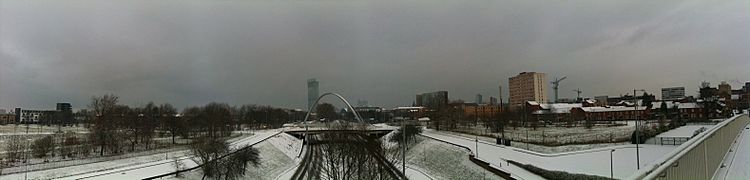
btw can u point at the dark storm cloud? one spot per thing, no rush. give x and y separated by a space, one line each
262 52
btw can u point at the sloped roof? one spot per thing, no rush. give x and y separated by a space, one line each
557 108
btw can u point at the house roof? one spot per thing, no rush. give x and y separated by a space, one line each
609 109
556 108
670 104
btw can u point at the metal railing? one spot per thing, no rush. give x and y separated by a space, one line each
699 157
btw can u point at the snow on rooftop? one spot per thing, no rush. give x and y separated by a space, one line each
557 108
610 109
403 108
670 104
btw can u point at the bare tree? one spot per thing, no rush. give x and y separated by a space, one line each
327 111
42 147
172 123
218 163
102 127
218 117
68 145
15 147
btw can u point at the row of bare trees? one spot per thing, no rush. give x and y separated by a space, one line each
112 124
208 128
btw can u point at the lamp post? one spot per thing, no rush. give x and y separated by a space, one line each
637 134
476 145
26 158
403 154
611 165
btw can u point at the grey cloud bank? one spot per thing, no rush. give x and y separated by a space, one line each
262 52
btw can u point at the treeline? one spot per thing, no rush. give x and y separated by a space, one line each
115 127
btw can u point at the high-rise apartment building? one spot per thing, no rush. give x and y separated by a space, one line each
493 101
432 100
672 93
312 92
479 99
527 86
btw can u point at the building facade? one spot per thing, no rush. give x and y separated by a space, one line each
432 100
411 113
7 118
527 86
672 93
312 92
479 99
493 101
480 111
35 116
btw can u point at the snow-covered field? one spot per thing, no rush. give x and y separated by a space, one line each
553 135
684 131
593 162
146 170
83 169
540 148
127 168
38 129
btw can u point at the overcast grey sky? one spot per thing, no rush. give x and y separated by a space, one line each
262 52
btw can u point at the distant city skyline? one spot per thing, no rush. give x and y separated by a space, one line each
385 52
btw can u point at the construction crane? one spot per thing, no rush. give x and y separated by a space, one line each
579 93
556 84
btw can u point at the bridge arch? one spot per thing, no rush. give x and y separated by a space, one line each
356 115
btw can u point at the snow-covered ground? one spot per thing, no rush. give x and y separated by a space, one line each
736 164
684 131
273 162
38 129
288 144
81 170
593 162
167 165
130 168
560 135
540 148
444 161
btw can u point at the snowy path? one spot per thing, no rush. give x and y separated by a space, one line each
164 166
737 162
593 162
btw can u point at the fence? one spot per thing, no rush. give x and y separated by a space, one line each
552 139
699 157
672 140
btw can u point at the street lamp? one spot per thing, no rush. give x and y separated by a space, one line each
637 135
476 145
611 165
26 158
403 153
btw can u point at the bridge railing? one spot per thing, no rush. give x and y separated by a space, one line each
699 157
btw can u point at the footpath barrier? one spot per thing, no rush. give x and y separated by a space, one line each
699 157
